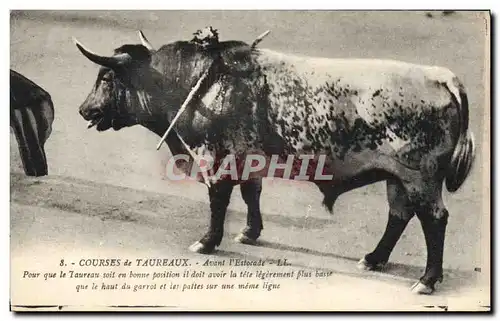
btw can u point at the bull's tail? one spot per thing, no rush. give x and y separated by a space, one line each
464 153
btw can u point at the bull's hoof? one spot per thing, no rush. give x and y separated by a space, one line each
420 288
364 265
243 239
201 248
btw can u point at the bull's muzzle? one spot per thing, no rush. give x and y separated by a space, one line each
90 113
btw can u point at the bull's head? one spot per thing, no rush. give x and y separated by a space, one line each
137 81
122 92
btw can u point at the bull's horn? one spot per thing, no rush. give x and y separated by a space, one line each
259 39
110 62
145 41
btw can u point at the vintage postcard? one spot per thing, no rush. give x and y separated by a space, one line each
250 160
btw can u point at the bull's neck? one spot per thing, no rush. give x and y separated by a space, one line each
162 106
177 84
159 127
167 94
174 143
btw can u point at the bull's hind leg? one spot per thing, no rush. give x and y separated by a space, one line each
220 195
433 217
425 194
250 191
400 213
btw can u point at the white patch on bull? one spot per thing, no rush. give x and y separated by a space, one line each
208 107
392 139
210 97
205 160
364 112
395 141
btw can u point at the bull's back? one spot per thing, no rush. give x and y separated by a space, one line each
356 77
349 107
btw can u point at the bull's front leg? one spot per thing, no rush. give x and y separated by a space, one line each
220 194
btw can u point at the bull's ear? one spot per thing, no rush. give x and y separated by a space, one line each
110 62
145 42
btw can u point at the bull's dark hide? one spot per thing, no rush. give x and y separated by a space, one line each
31 118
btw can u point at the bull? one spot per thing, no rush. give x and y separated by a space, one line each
372 120
31 118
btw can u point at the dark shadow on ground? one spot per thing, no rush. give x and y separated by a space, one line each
452 281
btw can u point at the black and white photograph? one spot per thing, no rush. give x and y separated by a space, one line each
250 160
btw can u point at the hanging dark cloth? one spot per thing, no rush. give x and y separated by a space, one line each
31 118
